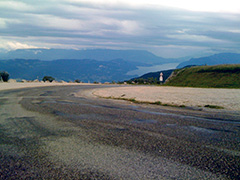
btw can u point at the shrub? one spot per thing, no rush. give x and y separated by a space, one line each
4 76
77 81
48 78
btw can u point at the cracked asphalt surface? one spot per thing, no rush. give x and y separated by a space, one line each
48 133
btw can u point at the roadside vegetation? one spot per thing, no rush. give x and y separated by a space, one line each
148 81
48 78
213 106
4 76
219 76
133 100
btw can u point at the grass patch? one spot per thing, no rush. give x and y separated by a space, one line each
157 103
220 76
133 100
213 106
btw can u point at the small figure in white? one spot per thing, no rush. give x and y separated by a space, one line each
161 77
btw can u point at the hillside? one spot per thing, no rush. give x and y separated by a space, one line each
155 75
220 76
222 58
69 70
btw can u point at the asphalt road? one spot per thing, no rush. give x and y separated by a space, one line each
48 133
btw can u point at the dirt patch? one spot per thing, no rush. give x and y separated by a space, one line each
229 99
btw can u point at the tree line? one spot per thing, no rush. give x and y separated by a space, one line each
4 76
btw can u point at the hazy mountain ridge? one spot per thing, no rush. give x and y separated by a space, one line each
222 58
139 56
69 70
88 69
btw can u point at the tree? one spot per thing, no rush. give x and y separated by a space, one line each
4 76
48 78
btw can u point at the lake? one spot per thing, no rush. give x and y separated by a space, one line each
143 69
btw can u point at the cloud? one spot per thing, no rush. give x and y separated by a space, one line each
2 23
17 45
13 45
152 25
230 6
16 6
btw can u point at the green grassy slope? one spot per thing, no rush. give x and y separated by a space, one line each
220 76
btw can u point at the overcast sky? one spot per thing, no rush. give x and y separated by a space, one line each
168 28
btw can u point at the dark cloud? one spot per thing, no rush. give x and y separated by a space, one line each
71 24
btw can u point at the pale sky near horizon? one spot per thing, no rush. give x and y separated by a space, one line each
169 28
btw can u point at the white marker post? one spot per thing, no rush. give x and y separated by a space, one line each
161 78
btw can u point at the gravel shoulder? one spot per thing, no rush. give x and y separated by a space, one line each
229 99
19 85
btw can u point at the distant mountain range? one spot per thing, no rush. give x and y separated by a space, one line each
69 70
222 58
67 64
93 65
138 56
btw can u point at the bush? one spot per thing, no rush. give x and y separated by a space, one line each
77 81
4 76
48 78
